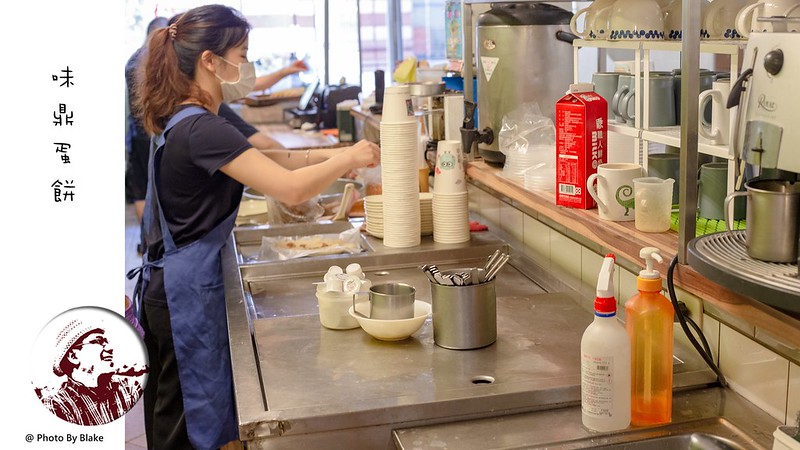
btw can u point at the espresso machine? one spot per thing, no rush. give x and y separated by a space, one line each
767 138
769 122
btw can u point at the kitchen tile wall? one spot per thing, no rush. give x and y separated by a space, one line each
759 367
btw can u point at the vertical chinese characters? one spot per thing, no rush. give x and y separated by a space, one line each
63 190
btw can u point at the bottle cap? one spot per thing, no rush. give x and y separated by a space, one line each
605 304
649 278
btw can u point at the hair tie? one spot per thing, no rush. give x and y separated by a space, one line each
173 30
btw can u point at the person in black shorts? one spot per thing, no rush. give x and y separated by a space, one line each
137 140
199 168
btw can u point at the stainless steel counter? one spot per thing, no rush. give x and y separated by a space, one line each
714 411
299 384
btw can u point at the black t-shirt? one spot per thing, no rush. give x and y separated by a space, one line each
193 193
245 128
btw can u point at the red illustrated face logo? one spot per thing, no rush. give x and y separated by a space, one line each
90 366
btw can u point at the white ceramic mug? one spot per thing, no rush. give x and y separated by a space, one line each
747 20
717 131
636 20
595 20
614 192
719 20
673 28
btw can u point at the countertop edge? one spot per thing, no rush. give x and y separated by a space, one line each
624 240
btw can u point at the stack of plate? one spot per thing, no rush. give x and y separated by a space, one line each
518 162
399 172
373 209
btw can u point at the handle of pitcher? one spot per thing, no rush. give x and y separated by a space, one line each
727 214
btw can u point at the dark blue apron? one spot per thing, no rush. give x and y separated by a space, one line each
196 300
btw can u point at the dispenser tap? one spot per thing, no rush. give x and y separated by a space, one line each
469 134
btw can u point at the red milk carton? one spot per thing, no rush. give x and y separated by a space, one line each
581 128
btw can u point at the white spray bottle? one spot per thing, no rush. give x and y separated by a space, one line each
606 361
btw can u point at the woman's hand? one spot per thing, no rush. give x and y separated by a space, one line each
295 67
363 154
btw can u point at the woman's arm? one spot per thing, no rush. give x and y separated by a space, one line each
261 141
295 159
256 170
269 80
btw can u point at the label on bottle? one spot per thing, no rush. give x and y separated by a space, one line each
597 375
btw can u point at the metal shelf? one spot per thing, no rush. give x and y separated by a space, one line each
723 258
719 47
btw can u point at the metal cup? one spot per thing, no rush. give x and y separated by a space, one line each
390 301
773 211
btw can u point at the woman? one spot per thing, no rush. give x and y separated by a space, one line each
196 177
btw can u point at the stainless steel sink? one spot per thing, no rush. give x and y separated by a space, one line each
703 419
688 441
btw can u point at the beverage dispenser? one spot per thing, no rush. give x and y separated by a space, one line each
524 54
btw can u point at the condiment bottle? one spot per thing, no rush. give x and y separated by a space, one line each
649 322
605 361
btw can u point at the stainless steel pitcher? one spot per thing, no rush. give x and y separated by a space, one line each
772 219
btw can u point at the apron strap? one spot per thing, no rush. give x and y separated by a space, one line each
158 144
153 210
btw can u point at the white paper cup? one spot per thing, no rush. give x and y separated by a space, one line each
397 107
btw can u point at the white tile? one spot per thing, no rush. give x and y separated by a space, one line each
790 351
473 193
511 221
627 286
793 406
758 374
693 302
565 254
710 329
489 208
590 267
536 237
737 323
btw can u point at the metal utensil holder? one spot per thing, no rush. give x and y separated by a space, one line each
464 317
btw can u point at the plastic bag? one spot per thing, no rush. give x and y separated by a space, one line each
527 138
280 213
524 128
281 248
371 177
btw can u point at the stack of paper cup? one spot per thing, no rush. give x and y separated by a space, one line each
399 169
373 209
450 201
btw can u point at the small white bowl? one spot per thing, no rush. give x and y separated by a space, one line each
393 330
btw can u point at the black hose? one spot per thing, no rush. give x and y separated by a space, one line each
704 353
697 329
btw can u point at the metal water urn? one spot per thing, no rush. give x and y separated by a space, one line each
524 54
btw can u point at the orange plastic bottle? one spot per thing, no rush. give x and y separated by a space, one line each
648 320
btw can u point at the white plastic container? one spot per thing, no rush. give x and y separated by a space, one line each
333 308
605 361
783 441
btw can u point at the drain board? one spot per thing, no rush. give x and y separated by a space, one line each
723 258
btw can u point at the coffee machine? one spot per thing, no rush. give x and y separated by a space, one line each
769 101
768 126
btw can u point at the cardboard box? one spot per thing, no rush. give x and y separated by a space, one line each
581 130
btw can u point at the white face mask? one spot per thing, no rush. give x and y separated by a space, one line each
234 90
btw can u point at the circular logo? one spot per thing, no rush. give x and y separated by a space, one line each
89 366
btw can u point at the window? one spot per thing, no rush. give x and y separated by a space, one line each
363 35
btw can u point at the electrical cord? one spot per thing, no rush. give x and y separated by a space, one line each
704 350
686 314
